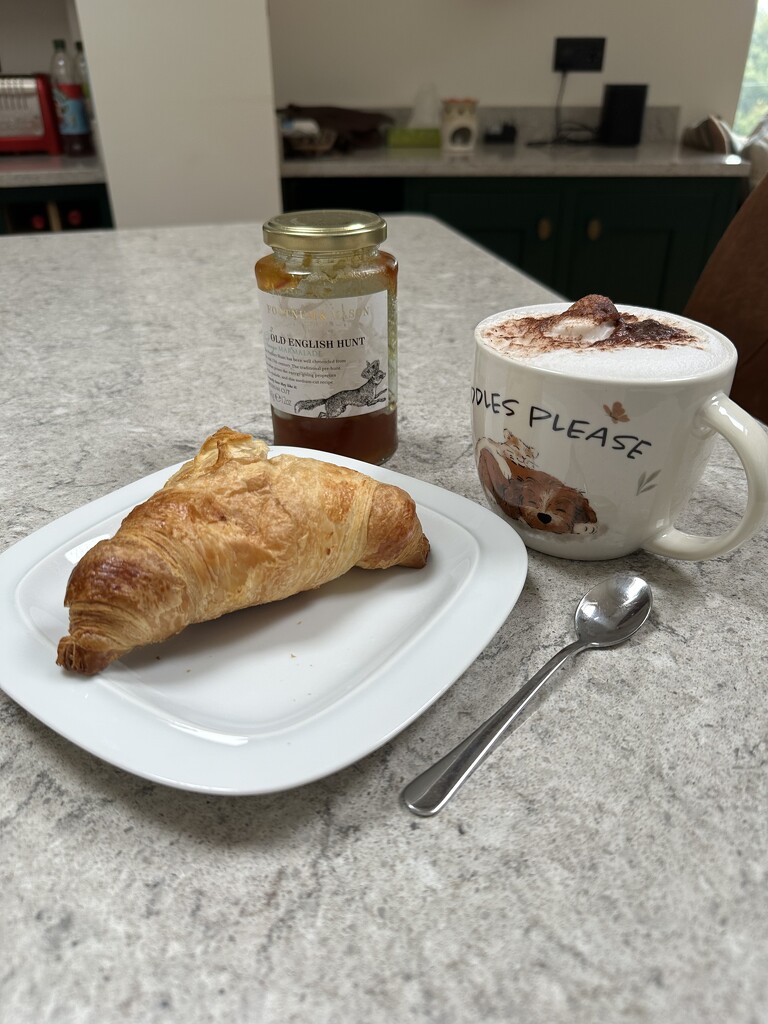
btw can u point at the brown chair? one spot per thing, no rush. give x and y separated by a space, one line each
731 295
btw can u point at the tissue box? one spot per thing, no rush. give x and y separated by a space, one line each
422 138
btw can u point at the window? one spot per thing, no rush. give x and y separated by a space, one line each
753 101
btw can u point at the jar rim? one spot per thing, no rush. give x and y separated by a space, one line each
324 230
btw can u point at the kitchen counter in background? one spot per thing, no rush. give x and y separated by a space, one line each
41 193
39 170
648 160
607 863
636 223
657 159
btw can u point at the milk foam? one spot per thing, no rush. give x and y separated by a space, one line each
580 347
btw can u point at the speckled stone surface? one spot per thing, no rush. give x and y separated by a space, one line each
607 863
38 169
648 160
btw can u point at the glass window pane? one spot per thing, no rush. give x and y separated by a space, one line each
753 102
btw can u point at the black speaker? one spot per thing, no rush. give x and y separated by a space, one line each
621 123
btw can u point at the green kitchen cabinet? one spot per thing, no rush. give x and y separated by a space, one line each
41 208
379 195
641 241
638 240
519 224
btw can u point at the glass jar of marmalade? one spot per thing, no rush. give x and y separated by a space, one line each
328 298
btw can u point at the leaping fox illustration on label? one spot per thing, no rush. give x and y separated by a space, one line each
366 394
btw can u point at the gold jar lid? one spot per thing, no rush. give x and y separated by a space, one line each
324 230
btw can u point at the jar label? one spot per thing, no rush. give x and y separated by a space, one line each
326 358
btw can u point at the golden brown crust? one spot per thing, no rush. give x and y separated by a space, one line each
229 530
394 532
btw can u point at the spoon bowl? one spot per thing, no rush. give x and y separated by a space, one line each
609 614
613 610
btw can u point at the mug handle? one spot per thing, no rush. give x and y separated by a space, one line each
750 442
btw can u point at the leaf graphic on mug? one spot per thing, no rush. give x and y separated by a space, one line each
645 482
617 413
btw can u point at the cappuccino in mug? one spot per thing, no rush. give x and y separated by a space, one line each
592 338
593 425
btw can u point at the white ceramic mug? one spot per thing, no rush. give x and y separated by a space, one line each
585 464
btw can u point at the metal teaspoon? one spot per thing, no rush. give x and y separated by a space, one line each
610 613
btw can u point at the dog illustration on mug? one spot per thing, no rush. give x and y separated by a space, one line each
509 477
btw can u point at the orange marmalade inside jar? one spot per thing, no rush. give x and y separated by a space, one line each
328 298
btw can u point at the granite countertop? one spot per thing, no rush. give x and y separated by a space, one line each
648 160
40 169
651 160
607 863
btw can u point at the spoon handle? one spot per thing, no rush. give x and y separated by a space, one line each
431 791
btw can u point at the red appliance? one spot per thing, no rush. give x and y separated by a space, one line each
28 115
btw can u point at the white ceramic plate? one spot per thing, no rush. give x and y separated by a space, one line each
271 697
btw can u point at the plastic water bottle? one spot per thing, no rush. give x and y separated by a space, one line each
81 68
75 131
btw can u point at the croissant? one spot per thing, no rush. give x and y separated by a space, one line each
231 529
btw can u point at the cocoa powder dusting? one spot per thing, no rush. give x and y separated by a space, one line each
596 308
592 323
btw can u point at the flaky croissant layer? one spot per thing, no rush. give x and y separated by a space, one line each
231 529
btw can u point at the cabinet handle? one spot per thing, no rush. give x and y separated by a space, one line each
544 229
594 229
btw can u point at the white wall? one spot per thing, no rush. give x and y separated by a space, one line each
185 107
360 53
26 31
185 96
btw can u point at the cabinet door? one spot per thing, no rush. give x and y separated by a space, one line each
516 219
641 241
54 208
379 195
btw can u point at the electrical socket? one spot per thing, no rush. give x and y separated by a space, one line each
579 54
